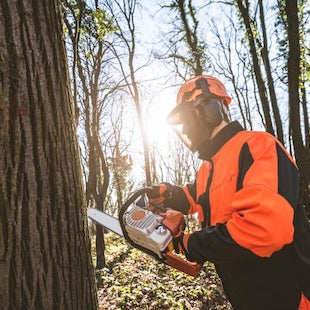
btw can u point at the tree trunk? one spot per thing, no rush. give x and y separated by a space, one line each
293 67
267 65
190 26
45 260
244 11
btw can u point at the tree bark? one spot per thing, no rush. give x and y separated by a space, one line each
45 260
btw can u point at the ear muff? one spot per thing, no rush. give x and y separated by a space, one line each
211 112
211 106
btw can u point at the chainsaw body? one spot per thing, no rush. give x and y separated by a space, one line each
152 230
146 229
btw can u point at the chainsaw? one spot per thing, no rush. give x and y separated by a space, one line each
148 227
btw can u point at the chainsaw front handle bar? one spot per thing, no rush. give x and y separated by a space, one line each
135 196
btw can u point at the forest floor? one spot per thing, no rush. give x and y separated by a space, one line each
134 280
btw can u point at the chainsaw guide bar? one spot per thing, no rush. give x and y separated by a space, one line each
105 220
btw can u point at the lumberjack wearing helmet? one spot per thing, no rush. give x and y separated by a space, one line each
246 194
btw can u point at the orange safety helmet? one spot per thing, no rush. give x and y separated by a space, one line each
201 103
189 90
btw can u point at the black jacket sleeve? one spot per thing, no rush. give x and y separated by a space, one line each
215 244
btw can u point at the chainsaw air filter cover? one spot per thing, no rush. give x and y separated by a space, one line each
145 229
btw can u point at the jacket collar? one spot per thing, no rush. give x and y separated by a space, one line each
209 148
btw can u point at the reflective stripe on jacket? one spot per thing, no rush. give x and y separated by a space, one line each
246 194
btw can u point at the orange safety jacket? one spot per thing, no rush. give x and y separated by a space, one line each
254 230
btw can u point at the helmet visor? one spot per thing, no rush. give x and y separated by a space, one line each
188 125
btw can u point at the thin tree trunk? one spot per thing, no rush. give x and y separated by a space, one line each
294 104
191 35
244 11
271 88
45 260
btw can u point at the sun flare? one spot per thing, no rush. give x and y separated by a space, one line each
157 127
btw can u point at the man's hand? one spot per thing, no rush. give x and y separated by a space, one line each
160 193
168 196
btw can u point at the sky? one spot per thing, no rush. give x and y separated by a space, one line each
158 94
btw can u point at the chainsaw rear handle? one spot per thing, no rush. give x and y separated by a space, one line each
174 221
190 268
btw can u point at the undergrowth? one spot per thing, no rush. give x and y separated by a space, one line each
134 280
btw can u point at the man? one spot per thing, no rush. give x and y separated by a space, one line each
246 194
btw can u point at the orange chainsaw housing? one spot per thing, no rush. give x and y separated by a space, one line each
174 221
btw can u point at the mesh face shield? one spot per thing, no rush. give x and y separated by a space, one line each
186 121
